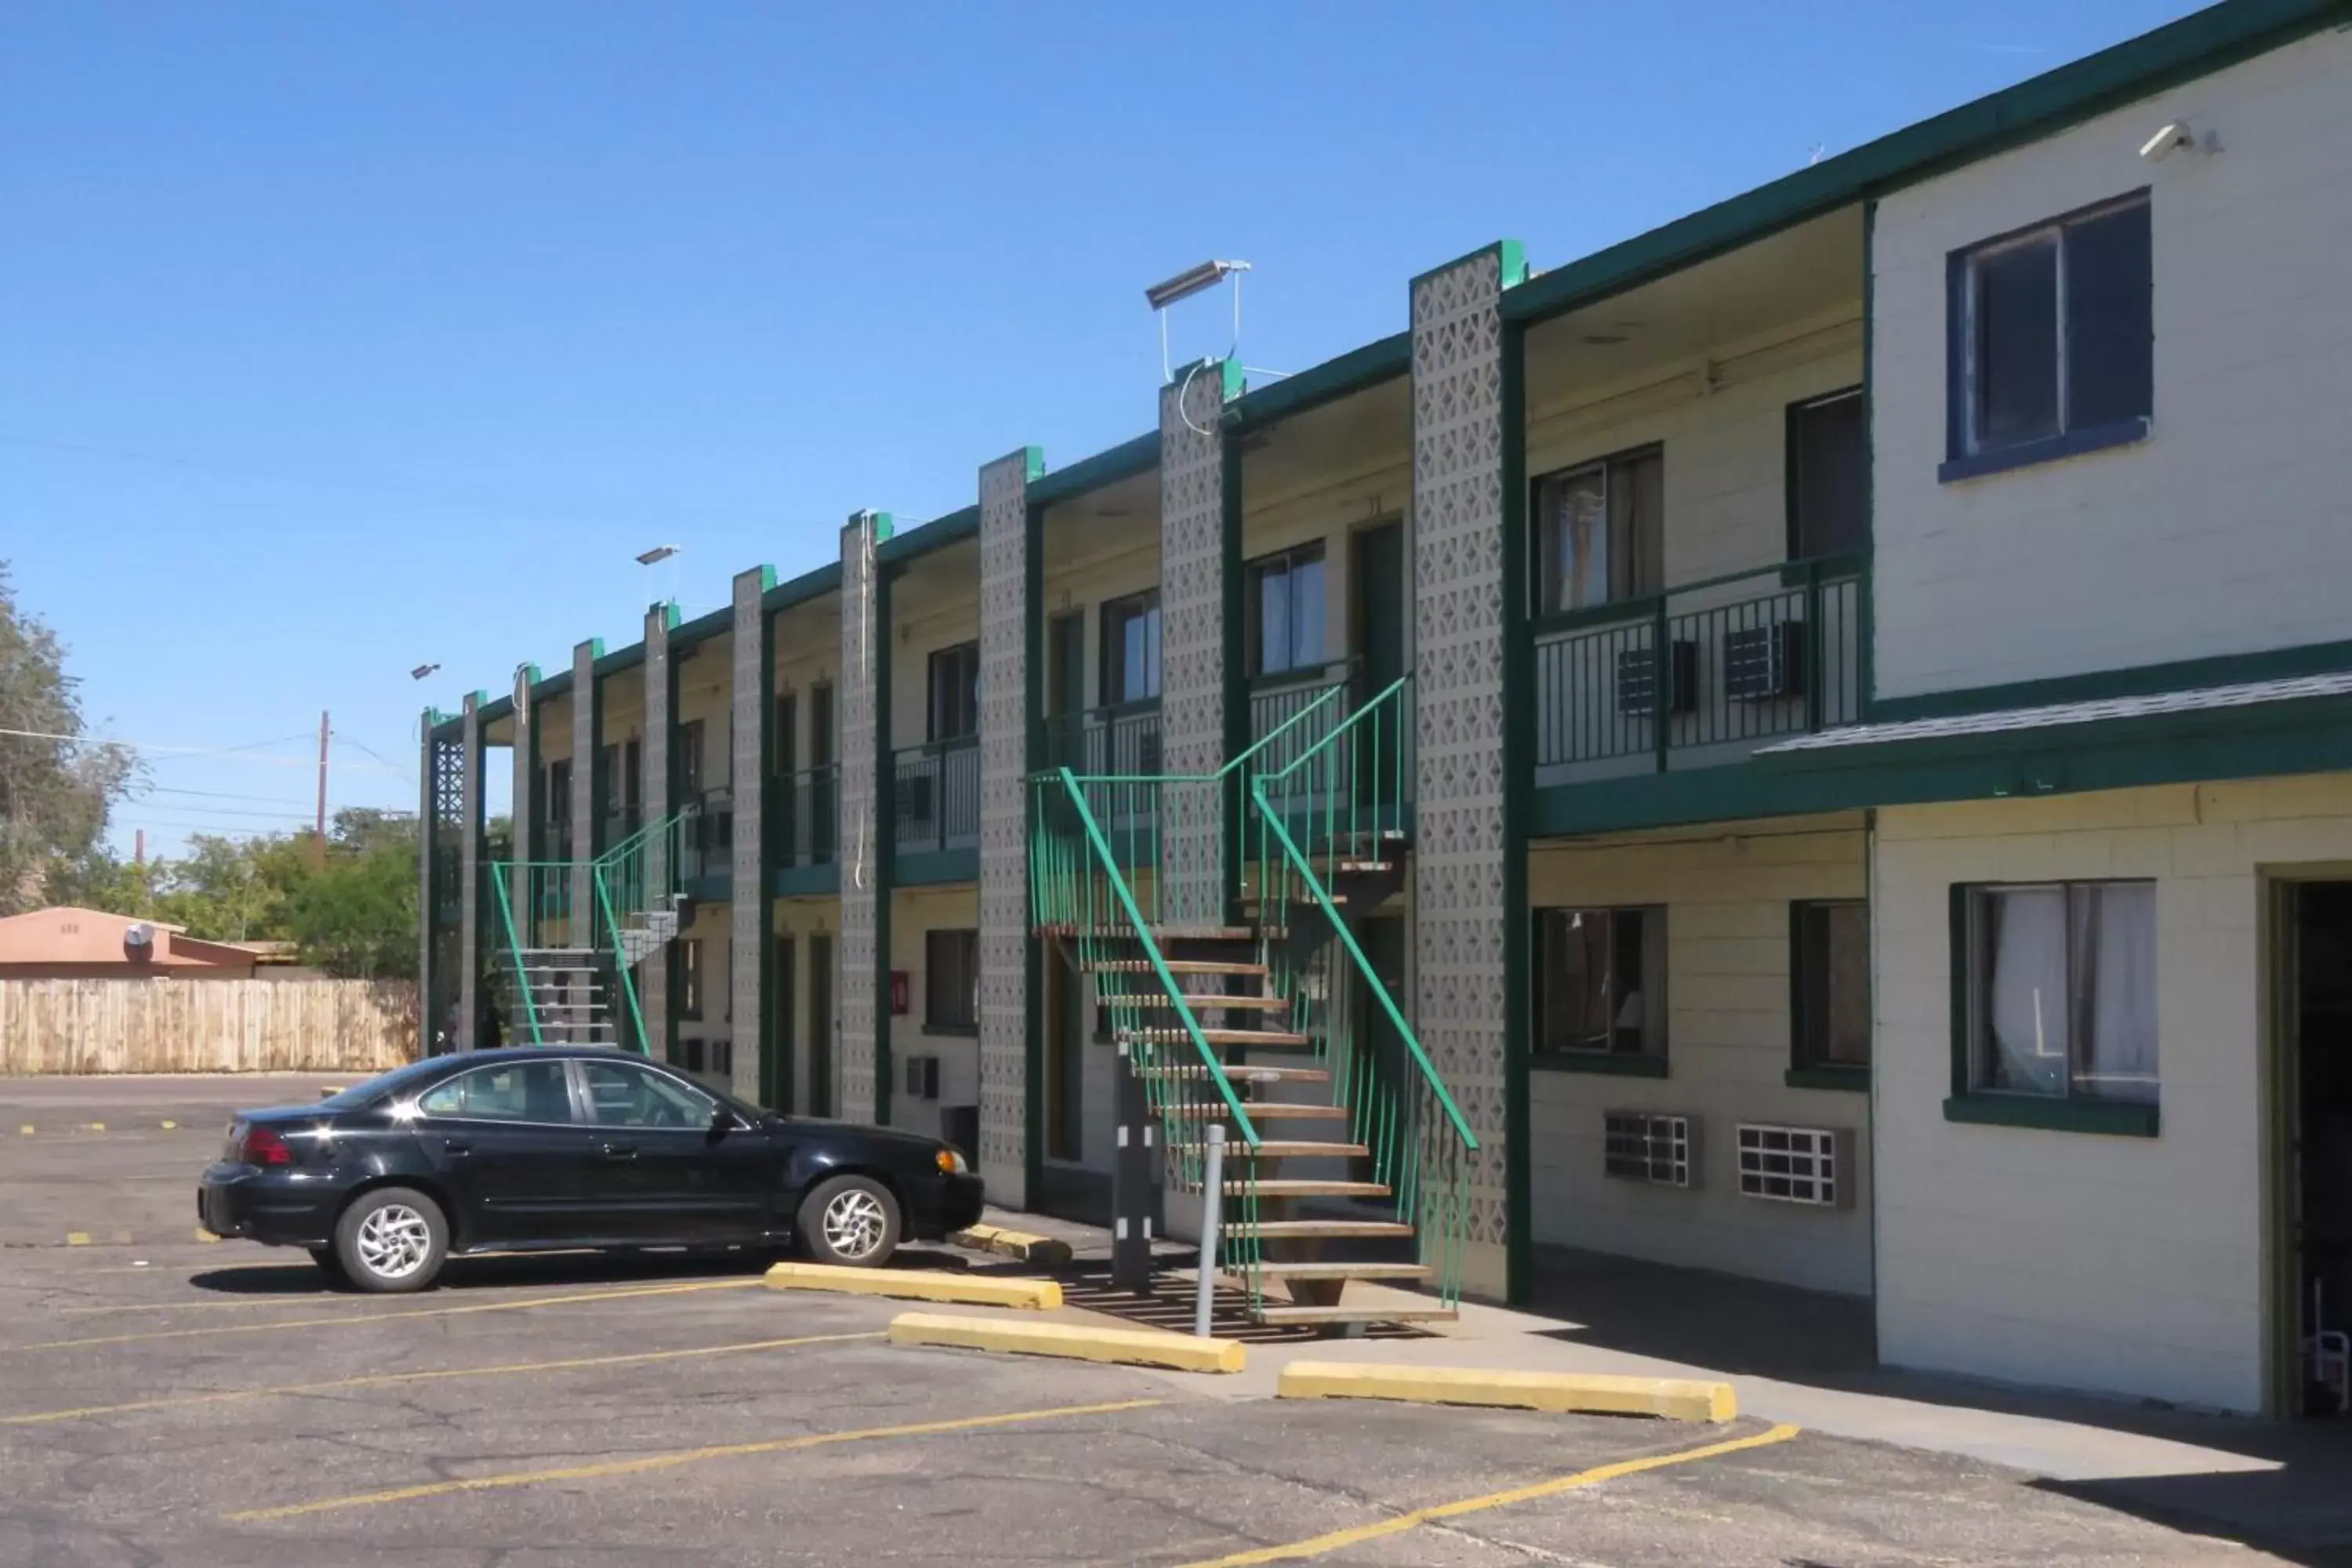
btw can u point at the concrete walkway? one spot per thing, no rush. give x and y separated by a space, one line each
1805 1358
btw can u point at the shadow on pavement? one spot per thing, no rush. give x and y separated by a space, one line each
2295 1500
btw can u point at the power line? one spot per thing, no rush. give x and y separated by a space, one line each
220 795
238 752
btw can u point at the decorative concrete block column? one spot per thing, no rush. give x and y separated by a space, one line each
439 773
527 808
751 946
661 711
587 810
1463 850
1010 567
861 997
1197 563
471 1000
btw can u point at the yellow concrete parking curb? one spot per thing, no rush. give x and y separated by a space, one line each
1077 1341
1046 1251
1675 1398
919 1284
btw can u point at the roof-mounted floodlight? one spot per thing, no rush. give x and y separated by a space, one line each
1191 281
657 554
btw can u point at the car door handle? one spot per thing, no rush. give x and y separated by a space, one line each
455 1146
620 1150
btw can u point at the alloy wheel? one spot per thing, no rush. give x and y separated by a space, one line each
855 1223
393 1242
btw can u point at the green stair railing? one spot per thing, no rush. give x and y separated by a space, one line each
1347 798
628 882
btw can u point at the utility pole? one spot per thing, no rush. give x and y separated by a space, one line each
139 850
318 849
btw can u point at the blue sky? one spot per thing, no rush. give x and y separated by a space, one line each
335 340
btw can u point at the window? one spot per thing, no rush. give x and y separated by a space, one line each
1285 627
621 1094
954 710
1131 648
951 981
1600 532
1829 502
1829 965
689 758
689 978
2051 339
2061 990
1601 981
513 1091
558 790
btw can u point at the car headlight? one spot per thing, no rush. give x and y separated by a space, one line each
949 1160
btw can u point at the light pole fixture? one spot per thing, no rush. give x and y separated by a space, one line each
421 670
657 554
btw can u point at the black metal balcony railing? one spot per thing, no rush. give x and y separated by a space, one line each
1121 740
936 788
1719 665
808 817
1297 753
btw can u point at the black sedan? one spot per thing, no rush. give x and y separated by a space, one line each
551 1147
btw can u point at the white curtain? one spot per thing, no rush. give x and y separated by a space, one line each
2115 976
2025 1000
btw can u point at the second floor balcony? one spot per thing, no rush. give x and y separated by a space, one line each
935 795
1699 675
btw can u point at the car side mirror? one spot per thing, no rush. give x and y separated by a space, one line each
722 1120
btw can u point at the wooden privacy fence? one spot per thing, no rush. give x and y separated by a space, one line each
205 1026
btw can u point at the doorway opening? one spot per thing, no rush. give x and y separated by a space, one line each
2319 1146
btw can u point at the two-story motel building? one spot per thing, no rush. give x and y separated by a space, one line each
1880 658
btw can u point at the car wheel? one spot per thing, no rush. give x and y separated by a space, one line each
392 1239
330 1265
850 1220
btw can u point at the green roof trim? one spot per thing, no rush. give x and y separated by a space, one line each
1229 372
613 663
700 629
1124 461
1353 371
936 534
495 710
808 585
554 686
2195 46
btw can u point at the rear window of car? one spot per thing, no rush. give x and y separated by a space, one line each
385 1085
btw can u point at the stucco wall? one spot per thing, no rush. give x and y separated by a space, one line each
914 911
2127 1264
2227 529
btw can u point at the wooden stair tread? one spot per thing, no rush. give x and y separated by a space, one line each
1320 1270
1175 967
1260 1111
1200 1001
1285 1149
1244 1072
1182 1036
1356 1314
1163 935
1310 1229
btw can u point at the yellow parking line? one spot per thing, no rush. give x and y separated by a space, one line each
1315 1546
306 1299
377 1380
672 1460
25 1130
171 1126
76 1239
390 1317
93 1126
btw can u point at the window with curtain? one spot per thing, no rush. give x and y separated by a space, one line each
1131 648
1284 610
2062 987
1601 981
1600 532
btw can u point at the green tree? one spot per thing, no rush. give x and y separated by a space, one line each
356 916
55 787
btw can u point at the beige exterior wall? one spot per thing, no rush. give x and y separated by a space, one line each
935 606
705 680
2131 1266
2224 531
913 912
808 653
1354 491
1727 896
1103 563
801 918
710 932
1724 438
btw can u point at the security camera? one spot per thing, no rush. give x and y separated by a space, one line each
2159 147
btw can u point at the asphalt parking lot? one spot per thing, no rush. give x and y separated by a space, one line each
168 1400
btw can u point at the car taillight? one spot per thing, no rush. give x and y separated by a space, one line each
262 1146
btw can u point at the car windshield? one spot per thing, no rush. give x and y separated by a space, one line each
384 1085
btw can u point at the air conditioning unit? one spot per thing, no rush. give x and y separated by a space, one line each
1637 679
1805 1166
1762 663
1649 1146
922 1077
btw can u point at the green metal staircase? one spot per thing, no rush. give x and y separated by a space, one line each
572 936
1346 1158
